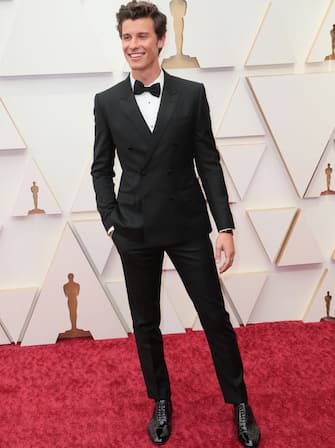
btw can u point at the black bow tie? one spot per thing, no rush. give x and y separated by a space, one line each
139 88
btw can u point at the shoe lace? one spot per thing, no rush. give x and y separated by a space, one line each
161 412
243 416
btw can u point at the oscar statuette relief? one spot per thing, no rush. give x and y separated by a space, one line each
328 299
71 290
179 60
328 172
34 190
331 57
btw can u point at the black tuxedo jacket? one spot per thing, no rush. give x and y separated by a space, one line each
160 201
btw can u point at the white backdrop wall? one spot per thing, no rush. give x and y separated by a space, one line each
272 100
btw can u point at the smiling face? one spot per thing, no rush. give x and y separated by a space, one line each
141 47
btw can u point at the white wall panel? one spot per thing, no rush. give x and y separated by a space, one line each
56 117
272 227
94 240
242 173
322 44
244 289
274 30
318 183
53 58
225 39
68 44
14 307
101 17
298 110
219 85
10 137
51 314
320 217
287 32
27 245
35 196
8 11
12 165
241 118
301 247
4 337
84 200
317 306
286 294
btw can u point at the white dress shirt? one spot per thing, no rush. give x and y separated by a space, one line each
147 103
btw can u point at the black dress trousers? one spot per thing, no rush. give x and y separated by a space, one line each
195 263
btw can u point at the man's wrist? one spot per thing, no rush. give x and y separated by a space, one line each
228 230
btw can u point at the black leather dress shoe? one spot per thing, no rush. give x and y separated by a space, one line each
160 425
247 429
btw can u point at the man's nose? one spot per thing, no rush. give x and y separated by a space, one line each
134 42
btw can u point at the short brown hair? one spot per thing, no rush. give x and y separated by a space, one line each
138 10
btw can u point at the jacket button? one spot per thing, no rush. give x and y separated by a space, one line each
143 173
169 171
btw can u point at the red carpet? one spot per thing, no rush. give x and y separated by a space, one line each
87 394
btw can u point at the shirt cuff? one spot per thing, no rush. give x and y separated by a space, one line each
226 230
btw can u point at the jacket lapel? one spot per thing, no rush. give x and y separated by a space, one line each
130 108
167 107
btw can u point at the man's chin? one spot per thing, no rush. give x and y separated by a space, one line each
133 63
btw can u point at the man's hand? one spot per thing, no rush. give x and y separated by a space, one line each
225 244
110 232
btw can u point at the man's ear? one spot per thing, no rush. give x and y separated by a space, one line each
161 41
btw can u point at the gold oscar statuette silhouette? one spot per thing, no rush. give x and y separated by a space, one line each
328 299
34 190
179 60
331 57
328 171
71 290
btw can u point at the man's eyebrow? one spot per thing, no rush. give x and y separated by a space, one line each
139 33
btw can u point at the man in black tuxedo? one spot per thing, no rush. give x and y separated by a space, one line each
160 126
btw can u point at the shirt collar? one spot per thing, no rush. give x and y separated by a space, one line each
159 79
